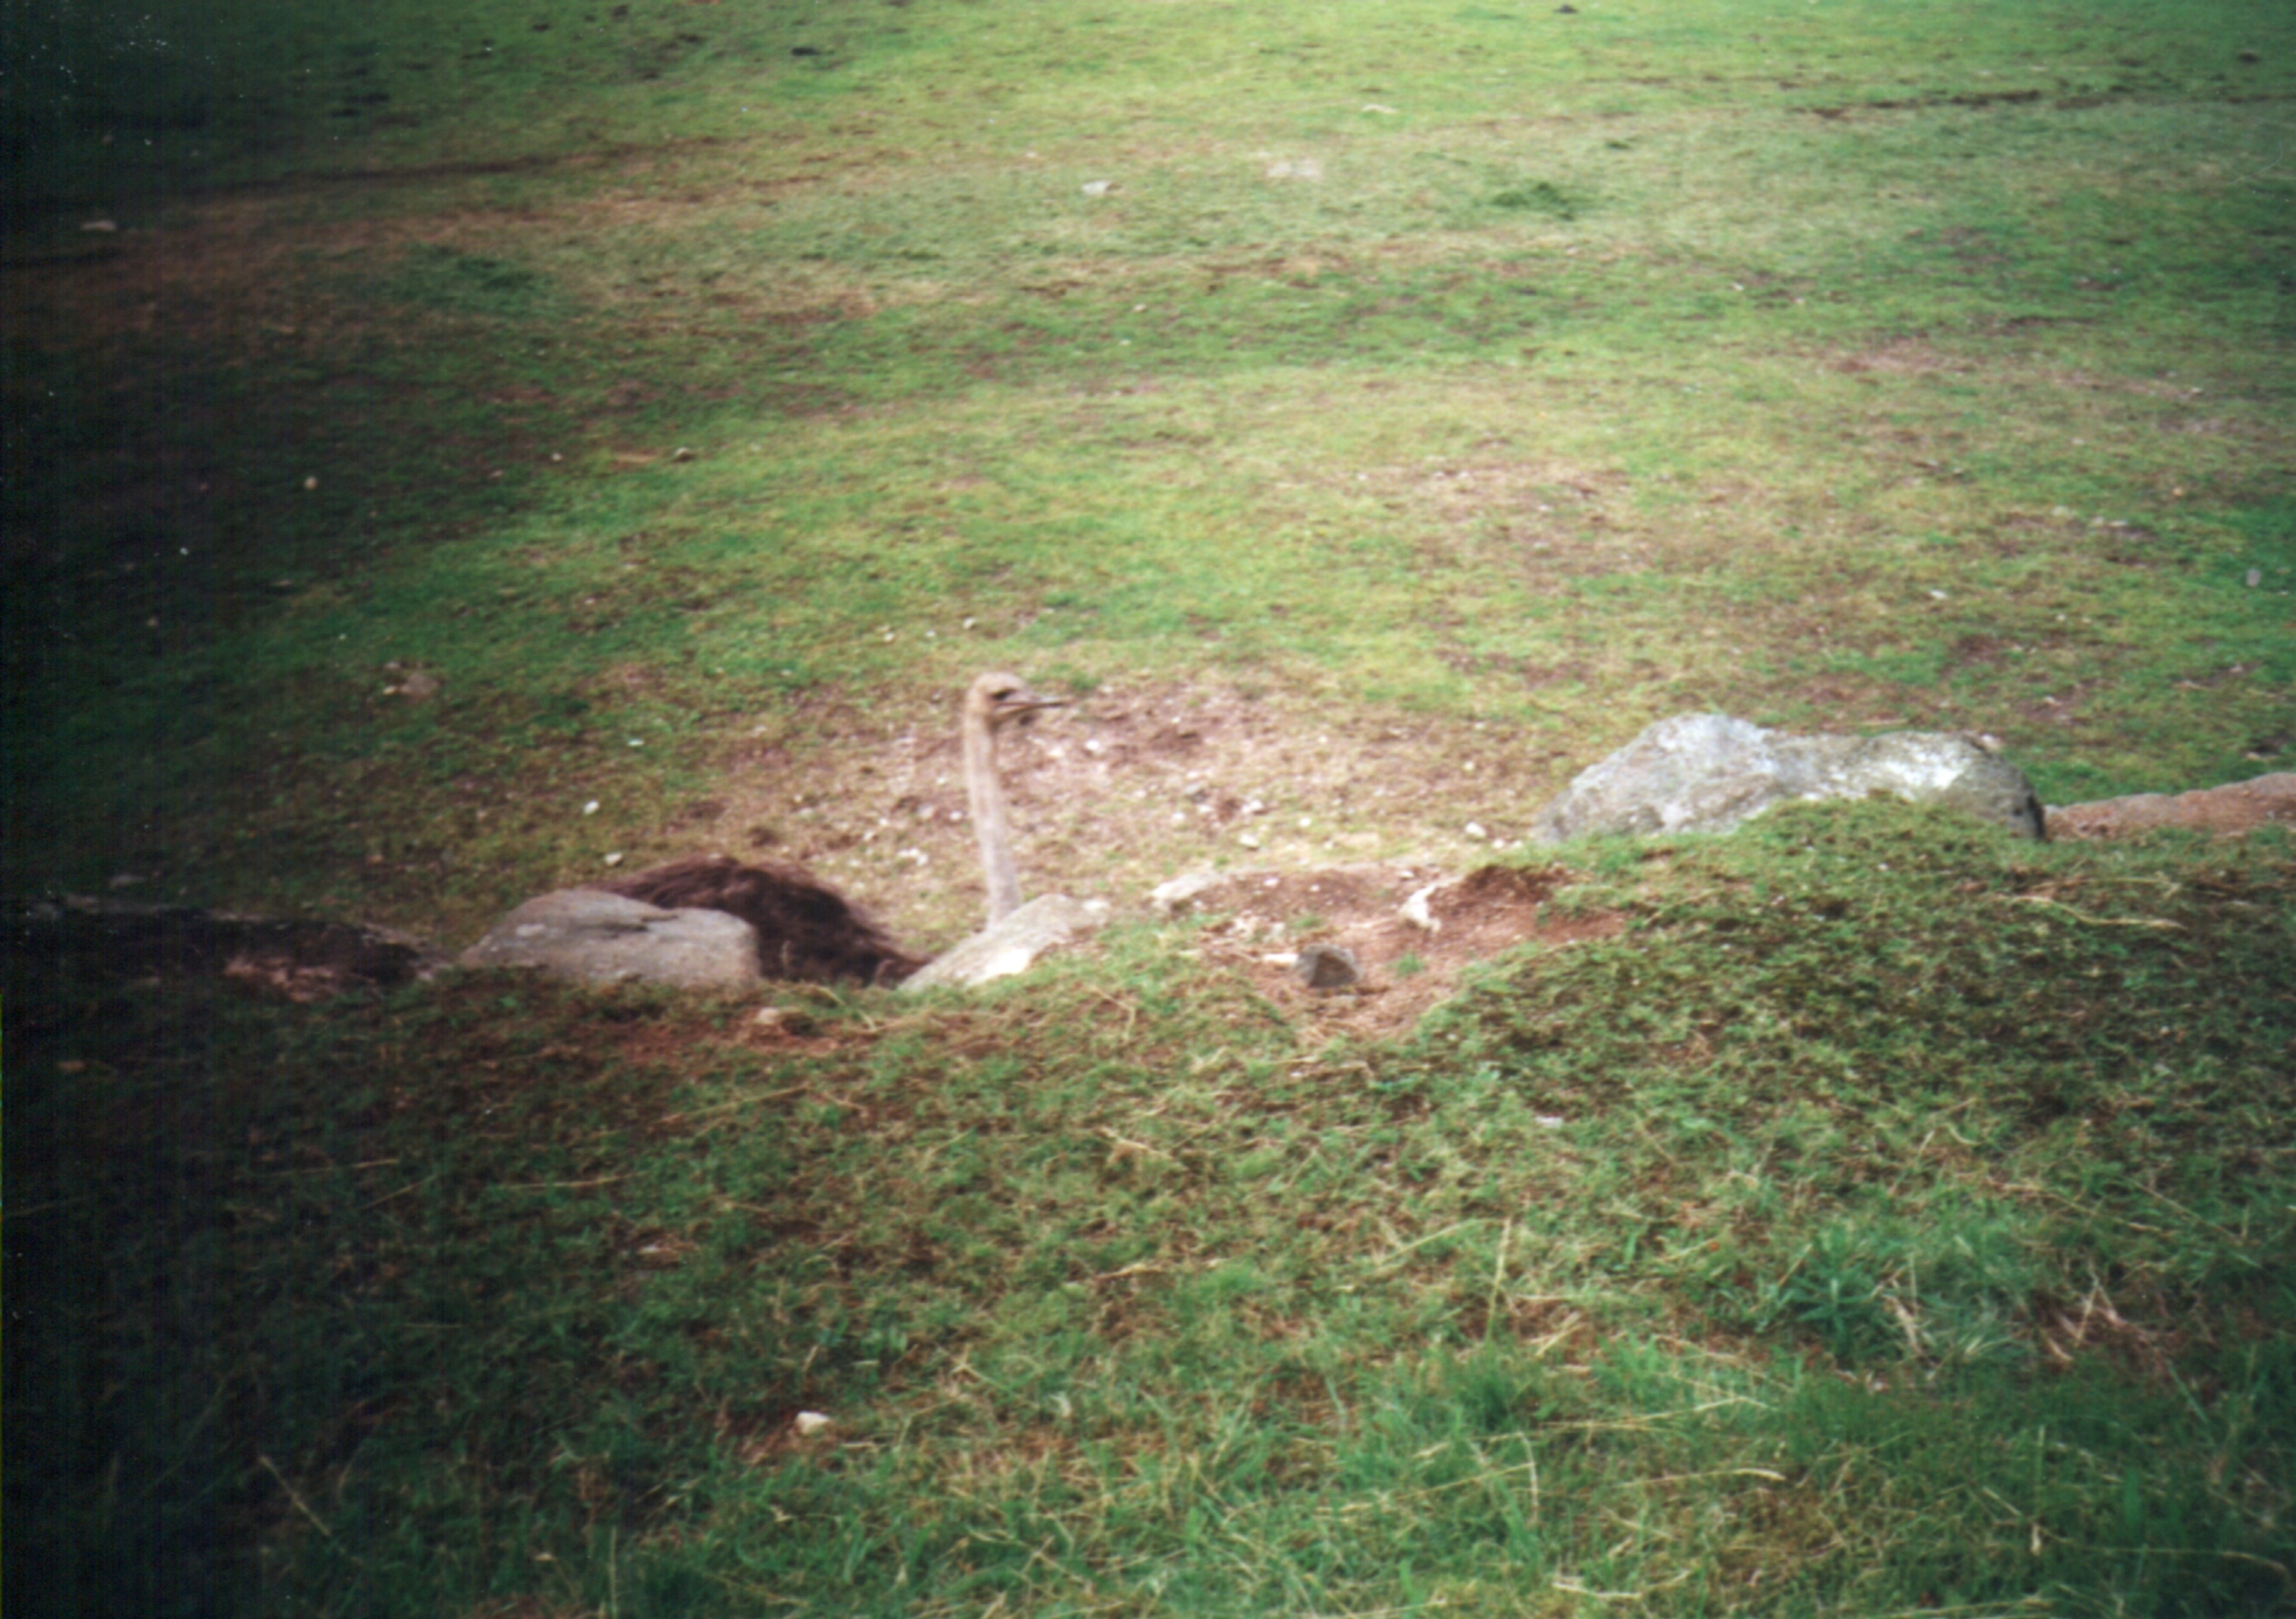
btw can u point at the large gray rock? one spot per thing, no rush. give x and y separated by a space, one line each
1709 772
601 938
1012 945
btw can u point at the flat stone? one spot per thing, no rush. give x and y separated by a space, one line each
1011 946
596 937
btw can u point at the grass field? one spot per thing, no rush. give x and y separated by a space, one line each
444 446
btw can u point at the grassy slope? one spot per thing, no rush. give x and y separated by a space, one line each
1793 360
1893 1217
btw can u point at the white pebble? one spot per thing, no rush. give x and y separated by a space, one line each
1415 911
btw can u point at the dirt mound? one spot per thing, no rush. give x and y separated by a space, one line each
304 961
2240 806
1265 917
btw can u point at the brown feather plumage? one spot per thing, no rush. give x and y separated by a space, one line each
806 929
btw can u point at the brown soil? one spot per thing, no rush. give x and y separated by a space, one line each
1138 783
2240 806
1263 918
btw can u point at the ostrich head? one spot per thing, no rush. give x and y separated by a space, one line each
996 698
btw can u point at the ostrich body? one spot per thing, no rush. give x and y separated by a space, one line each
808 930
993 700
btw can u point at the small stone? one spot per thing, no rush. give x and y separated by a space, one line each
105 227
310 483
809 1423
681 453
591 808
1169 899
2255 578
614 859
1249 840
1415 912
1098 188
1328 966
1474 829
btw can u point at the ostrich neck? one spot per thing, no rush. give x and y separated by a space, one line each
987 799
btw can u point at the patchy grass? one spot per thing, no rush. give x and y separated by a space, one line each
477 414
1894 1218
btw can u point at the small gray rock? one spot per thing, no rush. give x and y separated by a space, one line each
601 938
1709 772
1179 895
1328 966
1012 945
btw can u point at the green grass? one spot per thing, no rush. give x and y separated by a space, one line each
1895 1217
1441 381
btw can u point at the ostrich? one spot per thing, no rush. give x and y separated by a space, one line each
806 928
995 699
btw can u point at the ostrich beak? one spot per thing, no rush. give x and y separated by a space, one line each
1022 704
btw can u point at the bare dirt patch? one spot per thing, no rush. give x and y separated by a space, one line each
1263 918
1899 356
2238 806
1135 784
